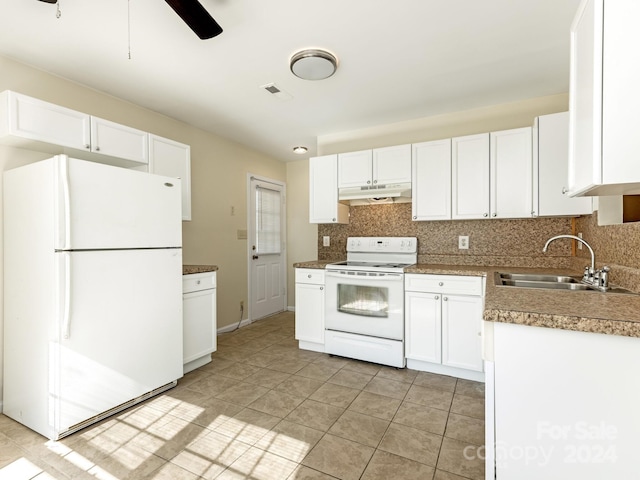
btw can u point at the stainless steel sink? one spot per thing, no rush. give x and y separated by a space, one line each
549 282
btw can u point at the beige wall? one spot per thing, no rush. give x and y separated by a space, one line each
301 234
218 168
469 122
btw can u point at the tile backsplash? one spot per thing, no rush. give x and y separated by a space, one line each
495 242
515 242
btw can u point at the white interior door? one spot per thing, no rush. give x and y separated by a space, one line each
267 272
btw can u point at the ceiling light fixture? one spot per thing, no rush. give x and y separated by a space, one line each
313 64
300 150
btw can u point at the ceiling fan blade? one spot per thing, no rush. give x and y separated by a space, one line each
196 17
49 1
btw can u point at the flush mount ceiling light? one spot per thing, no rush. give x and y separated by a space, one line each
313 64
300 150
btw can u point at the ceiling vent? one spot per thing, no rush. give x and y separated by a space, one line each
276 92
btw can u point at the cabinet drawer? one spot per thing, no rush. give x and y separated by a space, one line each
198 281
310 275
443 284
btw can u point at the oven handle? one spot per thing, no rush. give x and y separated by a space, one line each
393 277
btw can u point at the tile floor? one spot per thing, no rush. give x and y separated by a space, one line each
265 410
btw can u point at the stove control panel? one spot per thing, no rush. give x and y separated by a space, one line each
382 244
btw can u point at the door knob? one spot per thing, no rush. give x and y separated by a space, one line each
255 257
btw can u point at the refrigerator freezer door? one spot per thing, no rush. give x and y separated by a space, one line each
123 330
106 207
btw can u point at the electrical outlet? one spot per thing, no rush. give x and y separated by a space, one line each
580 243
463 242
241 304
326 241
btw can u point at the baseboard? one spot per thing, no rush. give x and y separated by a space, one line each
233 326
291 309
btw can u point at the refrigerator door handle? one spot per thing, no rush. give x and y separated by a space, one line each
63 169
66 308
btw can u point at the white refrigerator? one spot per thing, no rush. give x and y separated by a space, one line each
92 291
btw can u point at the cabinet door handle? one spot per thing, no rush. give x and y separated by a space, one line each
485 215
564 190
87 147
197 282
441 283
321 288
375 181
445 299
436 297
309 276
494 215
368 182
415 217
333 219
97 149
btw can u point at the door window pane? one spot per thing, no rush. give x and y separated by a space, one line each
267 221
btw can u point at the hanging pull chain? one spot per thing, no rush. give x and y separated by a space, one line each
58 12
129 27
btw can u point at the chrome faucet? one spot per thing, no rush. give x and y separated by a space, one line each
596 278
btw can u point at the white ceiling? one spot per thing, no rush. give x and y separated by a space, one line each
399 59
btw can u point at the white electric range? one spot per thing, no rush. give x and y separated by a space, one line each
364 299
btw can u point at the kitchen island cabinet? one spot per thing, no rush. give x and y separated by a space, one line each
309 317
199 316
560 404
443 323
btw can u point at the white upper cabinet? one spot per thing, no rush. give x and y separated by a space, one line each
172 159
380 166
25 120
392 165
431 181
604 99
470 176
115 140
550 168
355 169
511 170
323 191
34 124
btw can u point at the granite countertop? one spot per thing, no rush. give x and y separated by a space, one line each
314 264
584 311
190 269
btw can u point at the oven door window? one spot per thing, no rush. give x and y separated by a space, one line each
363 300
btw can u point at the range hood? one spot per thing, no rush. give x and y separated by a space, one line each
375 191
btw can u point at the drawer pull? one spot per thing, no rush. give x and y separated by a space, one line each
441 283
197 282
309 276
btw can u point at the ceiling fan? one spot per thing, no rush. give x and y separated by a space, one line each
193 14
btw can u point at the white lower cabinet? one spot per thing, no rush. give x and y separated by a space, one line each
199 319
443 324
560 404
310 309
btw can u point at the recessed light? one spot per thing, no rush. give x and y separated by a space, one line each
300 150
313 64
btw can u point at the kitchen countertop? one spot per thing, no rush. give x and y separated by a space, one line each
584 311
320 264
190 269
